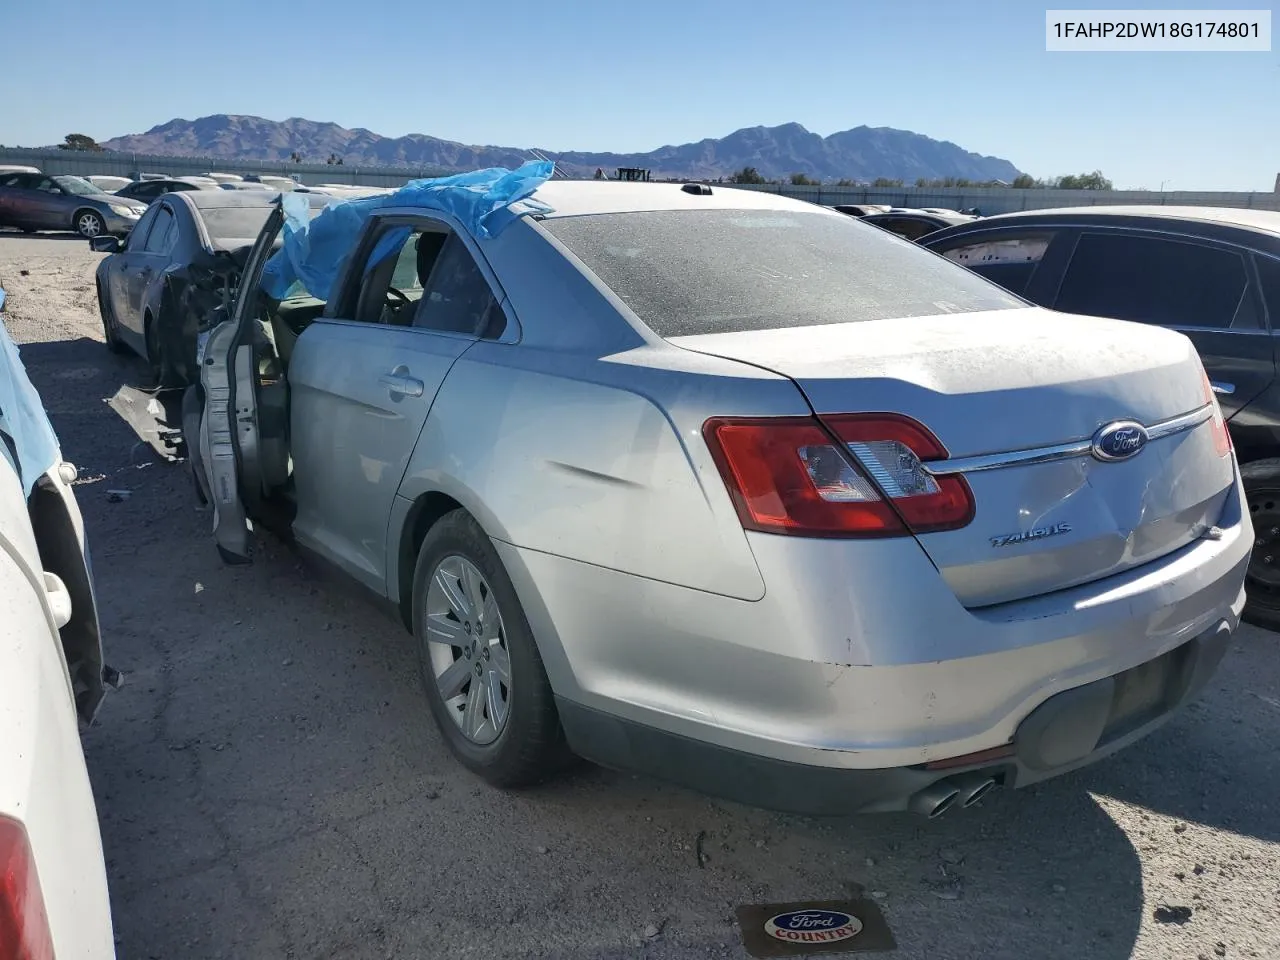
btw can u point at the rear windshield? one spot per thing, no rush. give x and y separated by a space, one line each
235 223
687 272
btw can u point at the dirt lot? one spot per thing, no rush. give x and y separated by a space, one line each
270 783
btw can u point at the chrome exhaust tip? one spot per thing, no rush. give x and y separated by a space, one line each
973 788
935 800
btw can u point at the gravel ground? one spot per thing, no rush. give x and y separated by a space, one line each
270 783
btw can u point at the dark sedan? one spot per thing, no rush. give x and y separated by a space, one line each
180 263
914 224
148 190
37 201
1210 273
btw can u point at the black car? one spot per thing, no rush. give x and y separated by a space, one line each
148 190
914 224
178 265
1210 273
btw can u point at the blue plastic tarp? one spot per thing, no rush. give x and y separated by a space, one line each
22 415
314 251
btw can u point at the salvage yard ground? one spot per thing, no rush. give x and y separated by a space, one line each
270 783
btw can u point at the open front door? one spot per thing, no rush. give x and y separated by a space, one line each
229 431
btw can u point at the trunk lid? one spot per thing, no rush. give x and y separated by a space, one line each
1024 382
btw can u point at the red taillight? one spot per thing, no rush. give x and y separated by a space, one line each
788 475
1221 435
24 926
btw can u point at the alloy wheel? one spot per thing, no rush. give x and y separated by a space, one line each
1264 565
468 650
89 224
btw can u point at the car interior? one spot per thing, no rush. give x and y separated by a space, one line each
426 278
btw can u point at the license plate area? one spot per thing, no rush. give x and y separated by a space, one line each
1144 692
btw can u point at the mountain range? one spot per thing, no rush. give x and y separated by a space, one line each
862 153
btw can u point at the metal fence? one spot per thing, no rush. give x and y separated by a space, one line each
988 200
991 200
85 163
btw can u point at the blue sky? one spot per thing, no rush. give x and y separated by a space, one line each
633 76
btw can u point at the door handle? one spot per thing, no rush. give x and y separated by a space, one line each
1226 389
400 384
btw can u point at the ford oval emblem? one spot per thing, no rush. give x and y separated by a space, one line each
1120 440
813 926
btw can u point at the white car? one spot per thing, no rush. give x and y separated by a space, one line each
109 183
53 882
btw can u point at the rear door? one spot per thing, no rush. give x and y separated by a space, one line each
121 265
51 207
1199 288
10 185
150 260
362 380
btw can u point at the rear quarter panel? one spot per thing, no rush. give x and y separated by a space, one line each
584 439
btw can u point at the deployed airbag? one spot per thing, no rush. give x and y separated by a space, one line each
315 251
22 415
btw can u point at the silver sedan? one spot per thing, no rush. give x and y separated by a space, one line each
739 492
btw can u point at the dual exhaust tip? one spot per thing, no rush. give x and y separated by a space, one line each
962 791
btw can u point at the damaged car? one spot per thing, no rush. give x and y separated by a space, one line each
53 883
727 488
178 265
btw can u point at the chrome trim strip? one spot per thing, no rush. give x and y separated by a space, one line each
1061 451
1167 428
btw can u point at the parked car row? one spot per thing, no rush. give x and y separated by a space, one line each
683 479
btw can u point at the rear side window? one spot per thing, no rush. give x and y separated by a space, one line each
457 298
1153 280
162 232
688 272
913 228
1008 260
1269 274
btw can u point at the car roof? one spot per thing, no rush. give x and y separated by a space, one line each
899 213
222 199
575 198
1265 221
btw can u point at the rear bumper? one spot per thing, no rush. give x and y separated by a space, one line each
1067 731
859 667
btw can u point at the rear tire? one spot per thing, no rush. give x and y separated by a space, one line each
88 224
162 372
524 744
1262 582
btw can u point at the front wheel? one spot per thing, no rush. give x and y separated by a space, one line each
1262 582
484 678
89 224
109 329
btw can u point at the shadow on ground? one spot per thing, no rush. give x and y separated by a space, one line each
13 234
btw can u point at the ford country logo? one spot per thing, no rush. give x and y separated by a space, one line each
1119 441
813 926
